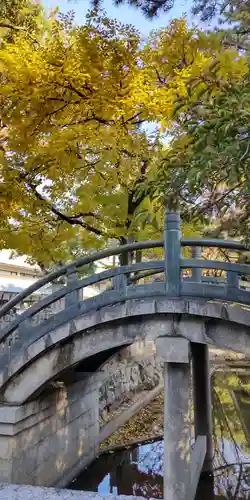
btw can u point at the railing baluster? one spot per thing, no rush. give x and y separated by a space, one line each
196 272
232 279
119 283
23 327
172 246
72 297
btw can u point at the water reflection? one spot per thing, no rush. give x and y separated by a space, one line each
139 471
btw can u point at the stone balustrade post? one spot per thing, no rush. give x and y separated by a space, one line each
196 272
76 295
172 247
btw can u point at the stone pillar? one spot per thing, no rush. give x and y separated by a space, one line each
172 249
175 353
202 399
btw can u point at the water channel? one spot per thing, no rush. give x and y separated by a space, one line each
138 470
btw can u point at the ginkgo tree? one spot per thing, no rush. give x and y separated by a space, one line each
21 15
76 158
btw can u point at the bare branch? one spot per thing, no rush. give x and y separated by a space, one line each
69 219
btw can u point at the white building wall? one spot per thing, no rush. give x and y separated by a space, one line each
16 275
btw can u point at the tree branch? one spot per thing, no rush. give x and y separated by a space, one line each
69 219
10 26
85 214
133 200
48 115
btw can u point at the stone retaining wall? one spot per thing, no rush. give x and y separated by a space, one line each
129 371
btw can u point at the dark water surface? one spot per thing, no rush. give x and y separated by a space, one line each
139 471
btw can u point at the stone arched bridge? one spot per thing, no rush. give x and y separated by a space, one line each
192 301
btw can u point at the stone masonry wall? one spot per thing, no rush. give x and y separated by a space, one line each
47 439
128 371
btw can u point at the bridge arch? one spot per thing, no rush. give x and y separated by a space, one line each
50 439
223 325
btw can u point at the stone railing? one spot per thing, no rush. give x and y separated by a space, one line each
183 277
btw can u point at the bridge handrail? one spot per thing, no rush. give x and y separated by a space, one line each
70 268
215 264
156 265
109 252
150 268
214 243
